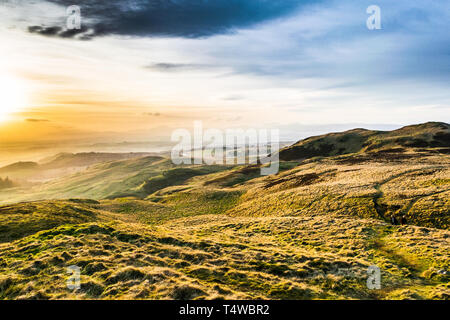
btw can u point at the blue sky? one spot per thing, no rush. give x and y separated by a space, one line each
230 62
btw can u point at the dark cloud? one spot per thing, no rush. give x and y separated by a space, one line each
46 31
184 18
81 34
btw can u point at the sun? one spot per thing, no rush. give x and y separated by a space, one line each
12 96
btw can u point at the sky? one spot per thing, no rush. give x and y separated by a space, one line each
140 68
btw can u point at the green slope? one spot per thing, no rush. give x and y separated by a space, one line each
427 135
127 178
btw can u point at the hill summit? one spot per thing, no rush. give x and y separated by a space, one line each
427 135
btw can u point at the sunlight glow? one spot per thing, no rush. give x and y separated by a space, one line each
12 96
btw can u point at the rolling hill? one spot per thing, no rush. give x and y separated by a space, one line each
22 166
62 164
428 135
126 178
144 228
85 159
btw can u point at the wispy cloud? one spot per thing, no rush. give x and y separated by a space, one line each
176 67
36 120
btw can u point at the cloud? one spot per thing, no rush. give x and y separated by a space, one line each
176 67
320 60
81 34
329 46
234 97
152 114
36 120
180 18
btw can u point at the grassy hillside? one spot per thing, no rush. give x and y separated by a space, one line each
428 135
147 229
416 186
24 219
127 178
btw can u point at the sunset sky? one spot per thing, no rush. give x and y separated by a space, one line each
143 65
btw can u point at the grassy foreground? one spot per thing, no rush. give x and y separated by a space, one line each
216 256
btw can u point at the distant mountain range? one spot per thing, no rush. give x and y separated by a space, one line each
62 160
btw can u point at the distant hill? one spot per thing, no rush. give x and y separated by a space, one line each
62 164
123 178
62 160
19 166
427 135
